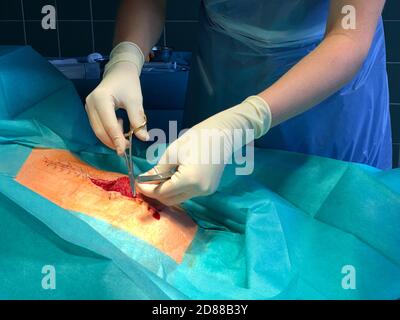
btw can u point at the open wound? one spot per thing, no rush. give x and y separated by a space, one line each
123 186
63 179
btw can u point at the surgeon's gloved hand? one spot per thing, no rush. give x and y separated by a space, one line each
120 88
200 154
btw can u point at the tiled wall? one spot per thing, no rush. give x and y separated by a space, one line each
86 26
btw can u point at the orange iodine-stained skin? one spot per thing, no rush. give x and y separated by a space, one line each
123 186
63 179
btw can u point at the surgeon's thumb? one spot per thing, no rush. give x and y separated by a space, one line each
149 188
164 165
138 121
159 169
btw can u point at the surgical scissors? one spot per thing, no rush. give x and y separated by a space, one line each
128 159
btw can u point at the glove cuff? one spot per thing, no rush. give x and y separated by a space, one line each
125 52
259 115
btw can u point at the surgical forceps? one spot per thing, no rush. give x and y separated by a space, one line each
128 158
156 178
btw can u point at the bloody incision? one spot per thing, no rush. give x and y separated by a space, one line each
123 186
120 185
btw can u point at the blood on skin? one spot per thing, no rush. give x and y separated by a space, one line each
155 213
122 185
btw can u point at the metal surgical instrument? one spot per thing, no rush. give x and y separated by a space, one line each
156 178
128 158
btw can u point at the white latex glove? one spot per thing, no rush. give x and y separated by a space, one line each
120 88
197 174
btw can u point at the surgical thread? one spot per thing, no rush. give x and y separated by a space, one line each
120 185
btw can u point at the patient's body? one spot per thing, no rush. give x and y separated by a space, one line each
63 179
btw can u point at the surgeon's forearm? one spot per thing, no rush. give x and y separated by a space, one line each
312 80
140 22
329 67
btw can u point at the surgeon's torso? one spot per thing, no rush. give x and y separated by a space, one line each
272 22
245 46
